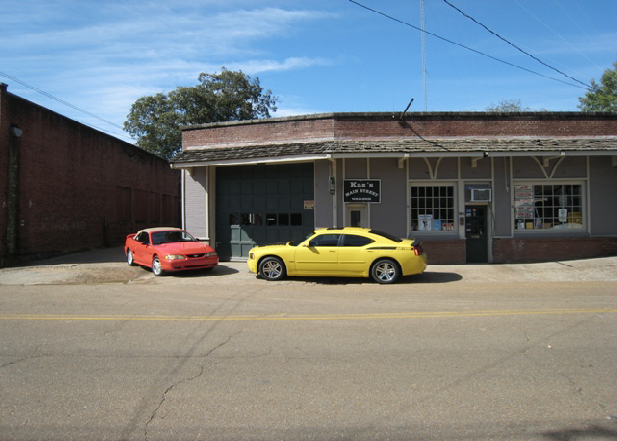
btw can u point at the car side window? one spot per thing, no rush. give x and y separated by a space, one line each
351 240
325 240
141 237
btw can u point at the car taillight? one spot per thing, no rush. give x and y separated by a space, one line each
418 250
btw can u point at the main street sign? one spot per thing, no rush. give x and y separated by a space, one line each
362 191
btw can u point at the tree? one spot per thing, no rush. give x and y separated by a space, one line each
507 106
155 121
603 96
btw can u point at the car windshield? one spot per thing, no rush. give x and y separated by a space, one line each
387 236
160 237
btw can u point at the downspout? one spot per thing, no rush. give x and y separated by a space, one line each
334 204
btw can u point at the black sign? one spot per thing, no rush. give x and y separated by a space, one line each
362 191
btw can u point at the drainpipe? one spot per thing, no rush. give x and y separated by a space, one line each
334 204
12 228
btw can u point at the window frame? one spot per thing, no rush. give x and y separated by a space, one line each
453 222
584 212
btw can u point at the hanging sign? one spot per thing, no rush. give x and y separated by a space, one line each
362 191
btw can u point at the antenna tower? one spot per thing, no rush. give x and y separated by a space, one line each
423 19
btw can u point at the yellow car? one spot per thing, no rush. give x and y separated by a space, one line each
341 252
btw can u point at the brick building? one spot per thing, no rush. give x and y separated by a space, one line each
66 187
475 187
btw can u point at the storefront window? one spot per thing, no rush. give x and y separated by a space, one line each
432 208
548 207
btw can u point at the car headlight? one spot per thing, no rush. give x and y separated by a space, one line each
211 254
175 257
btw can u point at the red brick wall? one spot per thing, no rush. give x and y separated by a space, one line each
552 249
446 252
255 132
4 163
383 126
68 179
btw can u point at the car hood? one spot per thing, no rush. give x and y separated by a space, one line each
184 248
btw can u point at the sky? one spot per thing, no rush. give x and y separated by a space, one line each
91 60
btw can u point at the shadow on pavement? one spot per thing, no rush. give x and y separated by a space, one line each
99 255
427 277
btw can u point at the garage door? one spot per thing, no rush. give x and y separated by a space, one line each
262 204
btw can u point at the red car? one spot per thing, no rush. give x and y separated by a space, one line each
169 249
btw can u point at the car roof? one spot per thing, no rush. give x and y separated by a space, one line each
345 229
161 229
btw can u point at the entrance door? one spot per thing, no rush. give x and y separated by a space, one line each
356 215
476 234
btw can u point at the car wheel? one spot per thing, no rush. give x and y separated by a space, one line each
385 271
157 268
272 268
129 258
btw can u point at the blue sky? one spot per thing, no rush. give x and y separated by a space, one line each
316 56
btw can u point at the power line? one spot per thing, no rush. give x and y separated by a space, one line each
66 103
514 45
467 47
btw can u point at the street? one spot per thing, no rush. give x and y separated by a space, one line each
98 350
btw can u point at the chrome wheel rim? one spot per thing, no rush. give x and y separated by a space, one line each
272 269
385 271
130 258
156 266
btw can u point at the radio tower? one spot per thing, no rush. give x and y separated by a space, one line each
423 19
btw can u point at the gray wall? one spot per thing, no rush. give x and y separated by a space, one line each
603 195
195 202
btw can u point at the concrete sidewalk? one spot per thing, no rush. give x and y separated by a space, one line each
108 265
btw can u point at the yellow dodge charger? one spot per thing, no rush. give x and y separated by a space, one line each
341 252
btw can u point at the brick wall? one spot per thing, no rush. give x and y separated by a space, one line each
552 249
80 188
358 126
445 252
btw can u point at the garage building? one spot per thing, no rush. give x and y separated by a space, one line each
475 187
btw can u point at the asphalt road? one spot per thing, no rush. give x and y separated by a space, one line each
93 349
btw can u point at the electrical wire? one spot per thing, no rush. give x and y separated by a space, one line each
66 103
585 86
514 45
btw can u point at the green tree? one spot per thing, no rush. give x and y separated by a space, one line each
155 121
603 96
507 106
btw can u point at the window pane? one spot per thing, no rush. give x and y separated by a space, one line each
350 240
553 207
296 219
433 208
325 240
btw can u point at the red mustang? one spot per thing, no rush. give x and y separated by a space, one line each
168 249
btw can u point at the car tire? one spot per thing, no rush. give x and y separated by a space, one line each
272 268
129 258
385 271
157 268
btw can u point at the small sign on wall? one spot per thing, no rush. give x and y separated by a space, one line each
362 190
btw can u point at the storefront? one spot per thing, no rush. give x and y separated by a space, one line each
474 187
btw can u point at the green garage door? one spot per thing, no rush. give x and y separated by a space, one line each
262 204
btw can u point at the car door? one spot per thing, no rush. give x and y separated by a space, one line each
318 256
353 257
141 253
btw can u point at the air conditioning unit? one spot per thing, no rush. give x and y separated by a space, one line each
480 195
